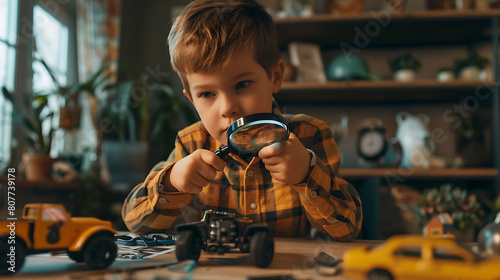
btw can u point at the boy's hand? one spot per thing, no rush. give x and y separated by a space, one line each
287 161
192 173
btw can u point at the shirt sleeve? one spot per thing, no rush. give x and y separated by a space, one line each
150 209
332 205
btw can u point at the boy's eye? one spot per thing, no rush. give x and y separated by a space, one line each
242 84
206 94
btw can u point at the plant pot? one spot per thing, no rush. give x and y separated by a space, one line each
445 76
469 73
482 5
487 75
126 162
38 167
405 75
69 117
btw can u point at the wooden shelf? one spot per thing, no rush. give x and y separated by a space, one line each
436 27
379 91
451 173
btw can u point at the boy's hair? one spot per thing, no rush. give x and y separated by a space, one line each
208 34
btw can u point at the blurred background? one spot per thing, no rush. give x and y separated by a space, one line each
409 88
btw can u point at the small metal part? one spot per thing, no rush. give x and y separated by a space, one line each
327 264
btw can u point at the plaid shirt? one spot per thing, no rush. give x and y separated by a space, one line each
325 200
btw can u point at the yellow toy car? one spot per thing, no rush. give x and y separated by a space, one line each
417 257
47 227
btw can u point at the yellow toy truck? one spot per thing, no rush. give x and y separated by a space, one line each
49 227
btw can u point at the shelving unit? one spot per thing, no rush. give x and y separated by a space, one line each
469 173
421 28
379 91
384 30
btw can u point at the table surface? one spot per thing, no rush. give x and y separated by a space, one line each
292 256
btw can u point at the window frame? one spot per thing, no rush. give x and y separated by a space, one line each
10 42
64 11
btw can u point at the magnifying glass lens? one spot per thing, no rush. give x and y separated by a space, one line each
248 135
255 137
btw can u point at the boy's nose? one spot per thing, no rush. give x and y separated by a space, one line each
228 107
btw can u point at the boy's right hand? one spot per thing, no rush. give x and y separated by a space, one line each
194 172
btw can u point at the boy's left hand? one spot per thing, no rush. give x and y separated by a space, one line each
287 161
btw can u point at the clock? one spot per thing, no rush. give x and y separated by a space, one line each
373 147
371 144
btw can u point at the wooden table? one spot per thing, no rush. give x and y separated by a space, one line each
292 256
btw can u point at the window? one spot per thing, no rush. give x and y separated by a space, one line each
51 40
51 37
54 214
53 28
8 27
413 252
450 254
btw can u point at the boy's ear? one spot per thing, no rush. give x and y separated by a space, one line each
186 94
277 75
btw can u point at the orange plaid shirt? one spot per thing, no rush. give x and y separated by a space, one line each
325 200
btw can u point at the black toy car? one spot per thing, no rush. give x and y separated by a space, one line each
219 232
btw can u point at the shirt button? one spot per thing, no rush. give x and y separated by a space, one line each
162 200
253 205
313 194
250 173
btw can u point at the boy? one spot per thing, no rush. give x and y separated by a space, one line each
226 54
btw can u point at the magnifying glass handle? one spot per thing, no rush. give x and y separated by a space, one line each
222 152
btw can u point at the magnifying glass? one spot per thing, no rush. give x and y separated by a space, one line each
248 135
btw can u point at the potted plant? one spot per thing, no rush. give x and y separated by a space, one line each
464 208
405 67
445 74
137 113
469 69
29 113
70 112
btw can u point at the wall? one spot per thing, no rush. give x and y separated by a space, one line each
145 27
432 59
143 45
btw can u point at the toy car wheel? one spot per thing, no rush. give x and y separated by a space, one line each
188 245
262 249
5 259
75 256
379 274
100 252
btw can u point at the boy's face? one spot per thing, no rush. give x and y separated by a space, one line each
242 89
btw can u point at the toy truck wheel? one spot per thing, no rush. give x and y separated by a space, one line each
11 262
188 245
100 252
262 249
76 256
379 274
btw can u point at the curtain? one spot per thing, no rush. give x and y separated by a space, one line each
98 35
